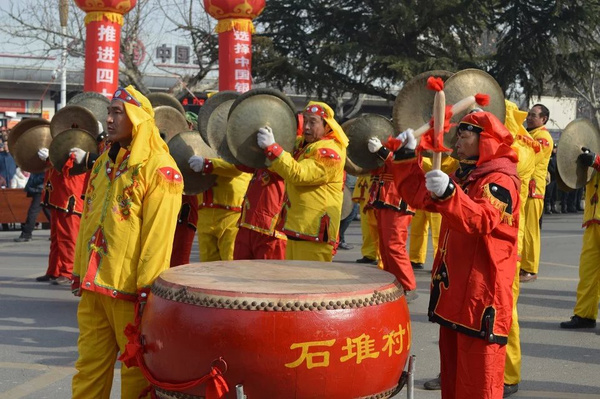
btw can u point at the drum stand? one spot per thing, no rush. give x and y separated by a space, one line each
407 378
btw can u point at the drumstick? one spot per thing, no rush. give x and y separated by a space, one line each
457 108
439 112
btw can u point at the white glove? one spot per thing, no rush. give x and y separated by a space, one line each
265 137
43 153
408 138
374 144
79 154
196 163
436 182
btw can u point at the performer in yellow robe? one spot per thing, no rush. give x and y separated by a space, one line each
124 243
314 179
530 253
368 224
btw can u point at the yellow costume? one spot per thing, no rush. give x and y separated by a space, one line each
314 179
588 289
219 210
370 239
423 220
534 207
526 148
124 243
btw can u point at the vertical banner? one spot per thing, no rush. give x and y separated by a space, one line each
235 61
102 57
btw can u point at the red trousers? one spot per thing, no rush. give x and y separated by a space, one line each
392 227
250 244
64 228
470 367
182 244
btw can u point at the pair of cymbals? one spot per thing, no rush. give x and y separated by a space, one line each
60 148
96 103
26 139
578 134
169 121
162 99
182 147
359 130
413 107
212 123
252 110
74 116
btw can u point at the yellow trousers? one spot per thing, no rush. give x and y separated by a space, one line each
217 229
308 250
102 321
530 253
420 225
512 366
588 289
370 245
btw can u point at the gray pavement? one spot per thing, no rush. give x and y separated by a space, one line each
38 327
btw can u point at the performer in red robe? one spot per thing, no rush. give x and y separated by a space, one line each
473 271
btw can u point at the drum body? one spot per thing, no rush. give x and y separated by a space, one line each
286 329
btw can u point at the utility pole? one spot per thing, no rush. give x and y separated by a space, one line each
64 16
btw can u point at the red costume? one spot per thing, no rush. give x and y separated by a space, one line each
473 271
187 220
257 237
63 195
393 218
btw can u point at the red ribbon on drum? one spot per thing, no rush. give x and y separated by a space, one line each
133 356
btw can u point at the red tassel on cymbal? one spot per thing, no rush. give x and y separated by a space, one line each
482 99
436 84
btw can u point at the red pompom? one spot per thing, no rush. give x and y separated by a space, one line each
482 99
436 84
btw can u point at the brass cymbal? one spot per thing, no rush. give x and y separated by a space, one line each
210 105
413 106
22 127
577 134
347 203
29 142
216 130
60 148
561 184
169 121
359 130
352 168
252 110
95 102
74 116
182 147
161 99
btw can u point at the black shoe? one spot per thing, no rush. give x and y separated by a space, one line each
578 322
45 278
61 280
344 245
365 259
510 389
434 385
22 238
417 266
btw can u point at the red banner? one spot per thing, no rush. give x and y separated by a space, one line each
102 57
235 61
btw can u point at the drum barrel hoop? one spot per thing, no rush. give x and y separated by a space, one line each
349 301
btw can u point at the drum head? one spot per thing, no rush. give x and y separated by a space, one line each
182 147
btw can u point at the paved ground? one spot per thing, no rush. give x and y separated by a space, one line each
38 328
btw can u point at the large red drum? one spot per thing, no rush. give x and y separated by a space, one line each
286 329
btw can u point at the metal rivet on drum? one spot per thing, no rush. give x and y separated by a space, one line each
254 303
228 301
311 308
323 303
331 303
236 302
263 304
280 304
315 304
297 304
244 303
271 304
329 307
338 303
319 307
